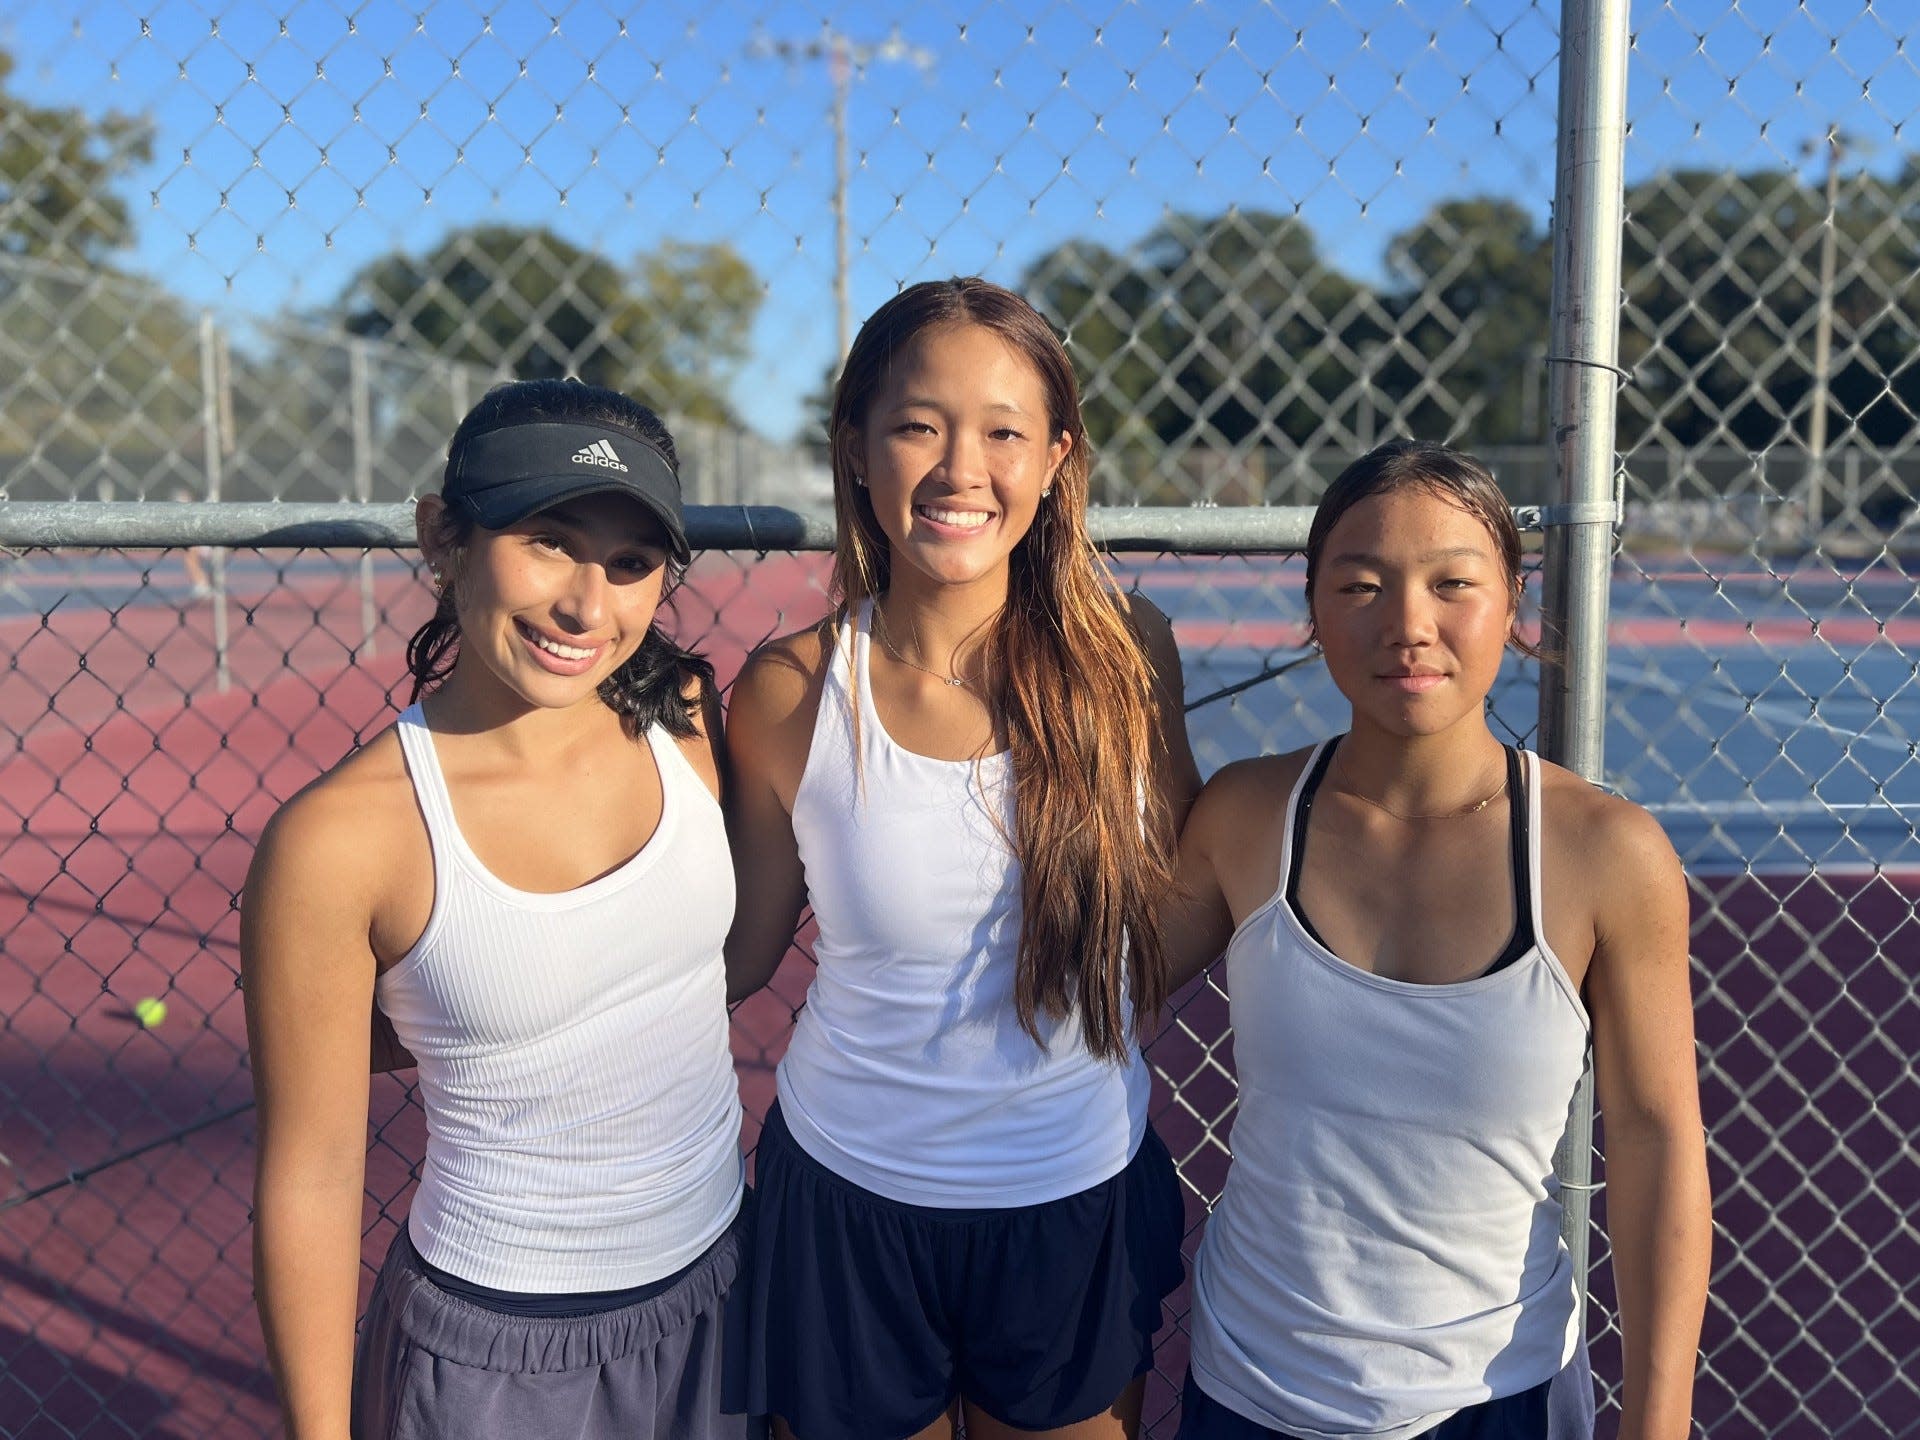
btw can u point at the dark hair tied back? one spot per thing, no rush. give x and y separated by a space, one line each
652 687
1455 476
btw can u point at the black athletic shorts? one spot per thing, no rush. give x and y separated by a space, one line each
1556 1409
870 1317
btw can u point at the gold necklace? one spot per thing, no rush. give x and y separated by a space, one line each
1473 809
880 628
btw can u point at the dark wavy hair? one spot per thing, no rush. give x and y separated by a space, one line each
1091 828
1453 475
651 688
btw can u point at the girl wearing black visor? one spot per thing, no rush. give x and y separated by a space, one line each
529 874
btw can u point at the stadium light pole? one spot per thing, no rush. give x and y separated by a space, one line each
843 55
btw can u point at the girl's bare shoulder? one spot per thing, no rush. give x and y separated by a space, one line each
346 825
1621 848
781 679
1243 794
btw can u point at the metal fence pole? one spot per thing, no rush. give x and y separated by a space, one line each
211 411
1585 356
360 386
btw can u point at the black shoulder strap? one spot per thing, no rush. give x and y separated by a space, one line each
1297 840
1522 939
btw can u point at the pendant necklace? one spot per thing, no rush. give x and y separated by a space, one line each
1473 809
880 627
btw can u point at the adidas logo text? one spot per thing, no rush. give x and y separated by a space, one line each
601 453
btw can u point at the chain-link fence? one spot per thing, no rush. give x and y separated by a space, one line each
270 253
1762 671
111 391
137 782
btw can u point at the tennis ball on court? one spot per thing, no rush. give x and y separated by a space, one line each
149 1011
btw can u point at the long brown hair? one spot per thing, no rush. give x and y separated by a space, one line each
1074 691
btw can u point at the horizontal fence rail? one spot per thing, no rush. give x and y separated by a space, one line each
709 527
1125 529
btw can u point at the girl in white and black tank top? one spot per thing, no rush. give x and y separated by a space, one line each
530 875
970 777
1414 982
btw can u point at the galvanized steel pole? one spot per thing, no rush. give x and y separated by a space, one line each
215 461
1585 355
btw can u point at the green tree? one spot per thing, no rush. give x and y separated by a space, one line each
693 326
1118 340
1470 319
816 415
1721 273
1220 333
90 360
93 363
528 302
1215 332
58 169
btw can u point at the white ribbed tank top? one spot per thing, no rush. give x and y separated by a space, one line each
583 1119
1387 1250
907 1072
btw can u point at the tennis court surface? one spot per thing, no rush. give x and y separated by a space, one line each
1769 721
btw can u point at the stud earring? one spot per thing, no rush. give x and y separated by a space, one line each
1046 492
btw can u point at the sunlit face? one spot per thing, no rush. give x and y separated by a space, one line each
555 604
1413 608
955 449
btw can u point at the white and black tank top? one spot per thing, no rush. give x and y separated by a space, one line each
1387 1250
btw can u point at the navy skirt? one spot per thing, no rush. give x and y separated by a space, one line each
869 1318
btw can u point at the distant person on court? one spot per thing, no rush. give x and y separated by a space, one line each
529 872
1425 930
972 771
194 558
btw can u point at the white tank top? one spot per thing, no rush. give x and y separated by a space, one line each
583 1120
1387 1250
908 1073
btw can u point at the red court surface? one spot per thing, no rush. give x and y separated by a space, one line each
130 806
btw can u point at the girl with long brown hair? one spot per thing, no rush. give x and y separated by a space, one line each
973 770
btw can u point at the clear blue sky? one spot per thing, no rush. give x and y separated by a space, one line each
289 155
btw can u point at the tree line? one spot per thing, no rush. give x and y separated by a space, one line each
1235 327
1224 331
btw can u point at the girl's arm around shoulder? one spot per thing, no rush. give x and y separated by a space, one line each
307 967
1646 1074
1229 858
770 716
1179 776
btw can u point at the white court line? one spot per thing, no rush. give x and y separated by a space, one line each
1775 710
1846 870
1783 807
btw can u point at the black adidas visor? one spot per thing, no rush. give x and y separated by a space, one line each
503 476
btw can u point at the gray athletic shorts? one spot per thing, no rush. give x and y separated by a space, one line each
432 1366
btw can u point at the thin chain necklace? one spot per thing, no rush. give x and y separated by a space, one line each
1473 809
880 628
